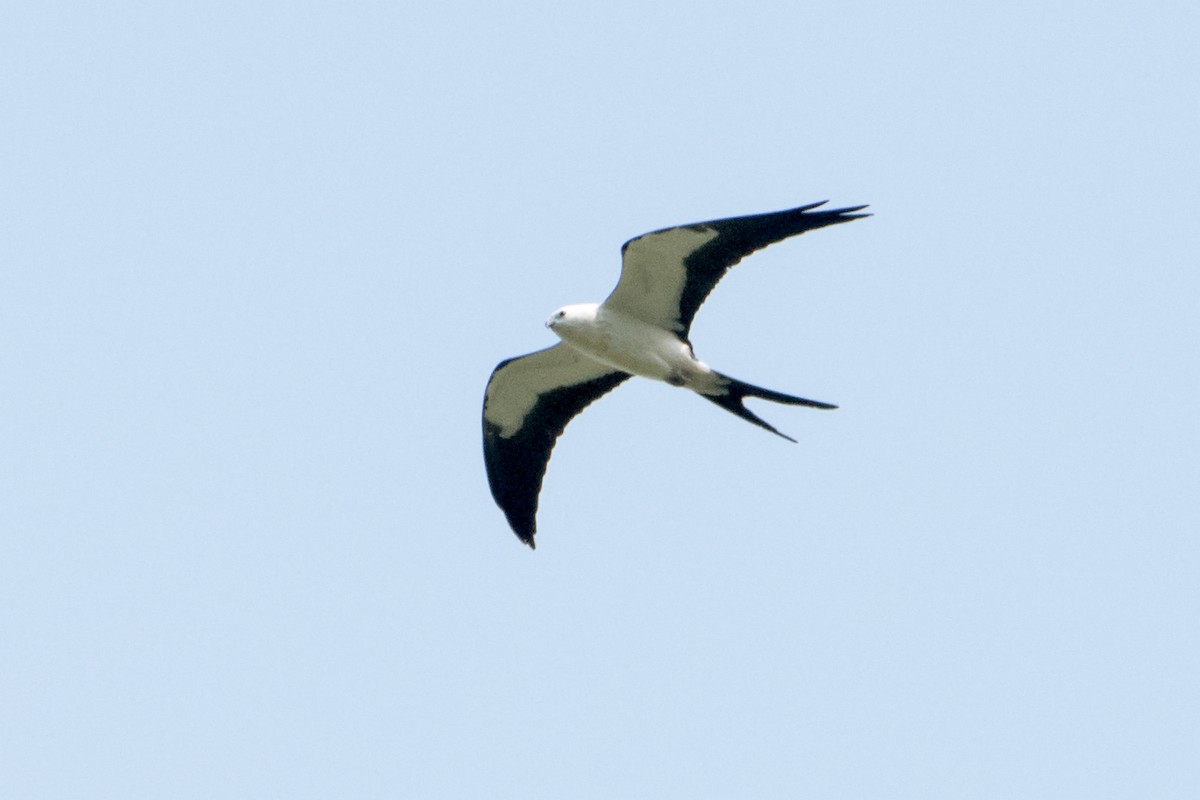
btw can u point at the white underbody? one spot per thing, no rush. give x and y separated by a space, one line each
626 343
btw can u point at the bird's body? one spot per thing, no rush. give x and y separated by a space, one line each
630 345
640 329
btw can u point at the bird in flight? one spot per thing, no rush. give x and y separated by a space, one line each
640 329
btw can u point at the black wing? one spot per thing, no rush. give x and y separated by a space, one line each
666 275
528 403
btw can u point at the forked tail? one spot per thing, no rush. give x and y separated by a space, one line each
736 391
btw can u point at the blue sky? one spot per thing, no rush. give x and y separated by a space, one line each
260 258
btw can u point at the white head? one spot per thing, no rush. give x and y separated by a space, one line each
573 316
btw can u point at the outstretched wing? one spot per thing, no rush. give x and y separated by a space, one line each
529 401
667 274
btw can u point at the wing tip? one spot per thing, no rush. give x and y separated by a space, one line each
846 213
524 525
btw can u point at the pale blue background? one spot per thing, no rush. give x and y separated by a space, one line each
258 260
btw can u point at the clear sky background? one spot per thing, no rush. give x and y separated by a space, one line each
259 259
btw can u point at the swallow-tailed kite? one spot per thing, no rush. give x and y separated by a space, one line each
640 329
